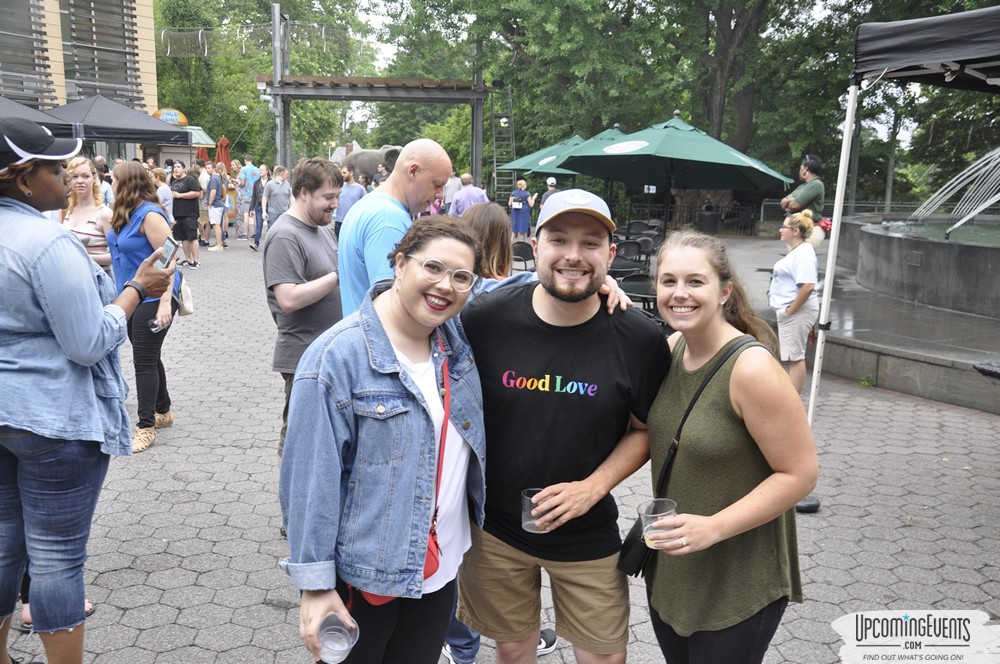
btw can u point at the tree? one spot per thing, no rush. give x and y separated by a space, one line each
220 92
955 127
422 51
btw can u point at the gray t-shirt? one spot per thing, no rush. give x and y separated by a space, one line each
278 195
295 253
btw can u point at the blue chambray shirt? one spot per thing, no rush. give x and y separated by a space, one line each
60 374
358 470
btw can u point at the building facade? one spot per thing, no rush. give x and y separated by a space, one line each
53 52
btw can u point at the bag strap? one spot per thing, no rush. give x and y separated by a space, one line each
672 451
446 398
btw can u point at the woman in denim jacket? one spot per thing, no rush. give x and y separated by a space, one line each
60 329
359 471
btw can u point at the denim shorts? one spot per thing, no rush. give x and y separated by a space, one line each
48 492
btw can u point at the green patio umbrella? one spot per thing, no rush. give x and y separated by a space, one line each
595 142
673 154
538 162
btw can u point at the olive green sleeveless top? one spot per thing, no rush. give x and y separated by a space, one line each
717 463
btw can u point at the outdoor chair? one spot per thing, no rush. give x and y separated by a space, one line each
523 254
640 288
630 249
646 248
637 228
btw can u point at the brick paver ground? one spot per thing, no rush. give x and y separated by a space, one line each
183 554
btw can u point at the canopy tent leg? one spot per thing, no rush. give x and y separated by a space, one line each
831 260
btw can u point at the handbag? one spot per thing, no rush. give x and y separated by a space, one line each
433 558
635 556
185 299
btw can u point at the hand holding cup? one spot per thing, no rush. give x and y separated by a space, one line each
650 513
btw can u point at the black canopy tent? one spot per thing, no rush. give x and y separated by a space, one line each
12 109
98 118
959 51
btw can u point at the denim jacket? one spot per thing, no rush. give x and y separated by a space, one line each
60 374
359 466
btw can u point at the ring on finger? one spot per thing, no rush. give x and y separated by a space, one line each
683 543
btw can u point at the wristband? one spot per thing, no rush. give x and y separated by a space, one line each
138 289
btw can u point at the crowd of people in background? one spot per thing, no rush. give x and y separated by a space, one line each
411 356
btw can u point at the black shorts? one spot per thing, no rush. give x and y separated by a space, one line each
186 229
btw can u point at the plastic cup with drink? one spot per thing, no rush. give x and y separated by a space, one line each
652 511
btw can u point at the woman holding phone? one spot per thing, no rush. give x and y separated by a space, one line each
62 324
137 226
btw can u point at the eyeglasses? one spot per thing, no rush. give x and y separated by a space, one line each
434 271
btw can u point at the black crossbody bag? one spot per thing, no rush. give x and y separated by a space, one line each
635 556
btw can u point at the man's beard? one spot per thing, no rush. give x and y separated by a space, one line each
548 281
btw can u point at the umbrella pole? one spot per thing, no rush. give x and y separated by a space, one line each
831 259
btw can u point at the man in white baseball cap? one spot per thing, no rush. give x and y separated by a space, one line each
551 184
549 347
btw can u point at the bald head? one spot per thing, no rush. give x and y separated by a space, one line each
423 152
421 171
466 178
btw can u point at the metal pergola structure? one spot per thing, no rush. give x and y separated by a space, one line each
282 88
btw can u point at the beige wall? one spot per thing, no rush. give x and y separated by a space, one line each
146 35
54 48
146 55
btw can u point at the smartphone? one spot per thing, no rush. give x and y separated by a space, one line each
169 249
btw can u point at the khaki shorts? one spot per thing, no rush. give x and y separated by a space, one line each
500 596
793 331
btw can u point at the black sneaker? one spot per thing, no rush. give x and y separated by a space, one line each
546 642
253 245
183 263
194 265
203 243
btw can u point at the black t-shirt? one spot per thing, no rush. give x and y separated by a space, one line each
556 402
185 207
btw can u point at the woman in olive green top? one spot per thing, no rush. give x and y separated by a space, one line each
725 573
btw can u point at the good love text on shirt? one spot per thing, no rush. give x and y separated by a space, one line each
548 383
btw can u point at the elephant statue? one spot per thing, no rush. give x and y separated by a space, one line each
365 161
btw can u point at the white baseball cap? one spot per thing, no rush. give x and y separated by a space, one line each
551 182
576 200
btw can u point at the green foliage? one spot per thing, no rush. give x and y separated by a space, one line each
767 76
220 93
453 133
955 128
422 52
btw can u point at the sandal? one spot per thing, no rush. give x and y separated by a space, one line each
27 627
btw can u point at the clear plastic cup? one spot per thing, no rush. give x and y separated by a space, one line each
652 511
529 522
336 638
